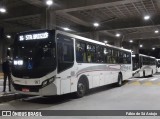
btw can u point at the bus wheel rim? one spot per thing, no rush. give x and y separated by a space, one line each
81 89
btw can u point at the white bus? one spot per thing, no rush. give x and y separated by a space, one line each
158 65
49 62
143 65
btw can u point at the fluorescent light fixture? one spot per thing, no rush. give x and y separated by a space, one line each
49 2
141 46
153 48
147 17
131 41
9 48
118 35
8 36
156 31
95 24
2 10
66 29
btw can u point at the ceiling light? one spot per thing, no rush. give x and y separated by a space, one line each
2 10
96 24
118 35
141 46
156 31
131 41
49 2
66 29
153 48
9 48
8 36
147 17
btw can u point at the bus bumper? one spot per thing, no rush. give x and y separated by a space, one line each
48 90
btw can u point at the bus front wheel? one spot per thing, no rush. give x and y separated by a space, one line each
81 88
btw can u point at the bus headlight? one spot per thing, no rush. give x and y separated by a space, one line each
44 83
18 62
51 79
48 81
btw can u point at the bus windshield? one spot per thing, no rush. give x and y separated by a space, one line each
34 59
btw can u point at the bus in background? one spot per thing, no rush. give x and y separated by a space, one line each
143 65
49 62
158 65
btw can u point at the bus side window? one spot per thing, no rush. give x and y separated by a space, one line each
100 54
128 58
105 55
120 57
115 56
91 53
80 52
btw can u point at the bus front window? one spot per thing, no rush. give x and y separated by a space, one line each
38 58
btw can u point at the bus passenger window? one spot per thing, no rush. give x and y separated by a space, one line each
120 57
100 54
91 53
105 55
80 52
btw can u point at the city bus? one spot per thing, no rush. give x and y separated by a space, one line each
143 65
53 62
158 65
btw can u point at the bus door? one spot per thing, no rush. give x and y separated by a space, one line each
65 53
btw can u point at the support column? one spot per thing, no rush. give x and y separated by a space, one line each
2 46
135 49
48 19
52 20
43 20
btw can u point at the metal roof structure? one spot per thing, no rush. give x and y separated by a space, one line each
114 16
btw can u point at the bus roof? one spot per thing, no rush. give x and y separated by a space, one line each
147 56
78 37
90 40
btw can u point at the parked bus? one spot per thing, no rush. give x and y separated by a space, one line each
143 65
49 62
158 65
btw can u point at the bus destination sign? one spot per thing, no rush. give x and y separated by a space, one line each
36 36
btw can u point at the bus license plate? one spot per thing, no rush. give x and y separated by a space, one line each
25 90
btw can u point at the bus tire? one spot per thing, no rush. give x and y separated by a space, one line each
144 74
82 87
152 73
120 80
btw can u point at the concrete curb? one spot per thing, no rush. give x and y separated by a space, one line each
10 96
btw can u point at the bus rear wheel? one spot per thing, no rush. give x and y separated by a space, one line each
81 88
144 74
120 80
